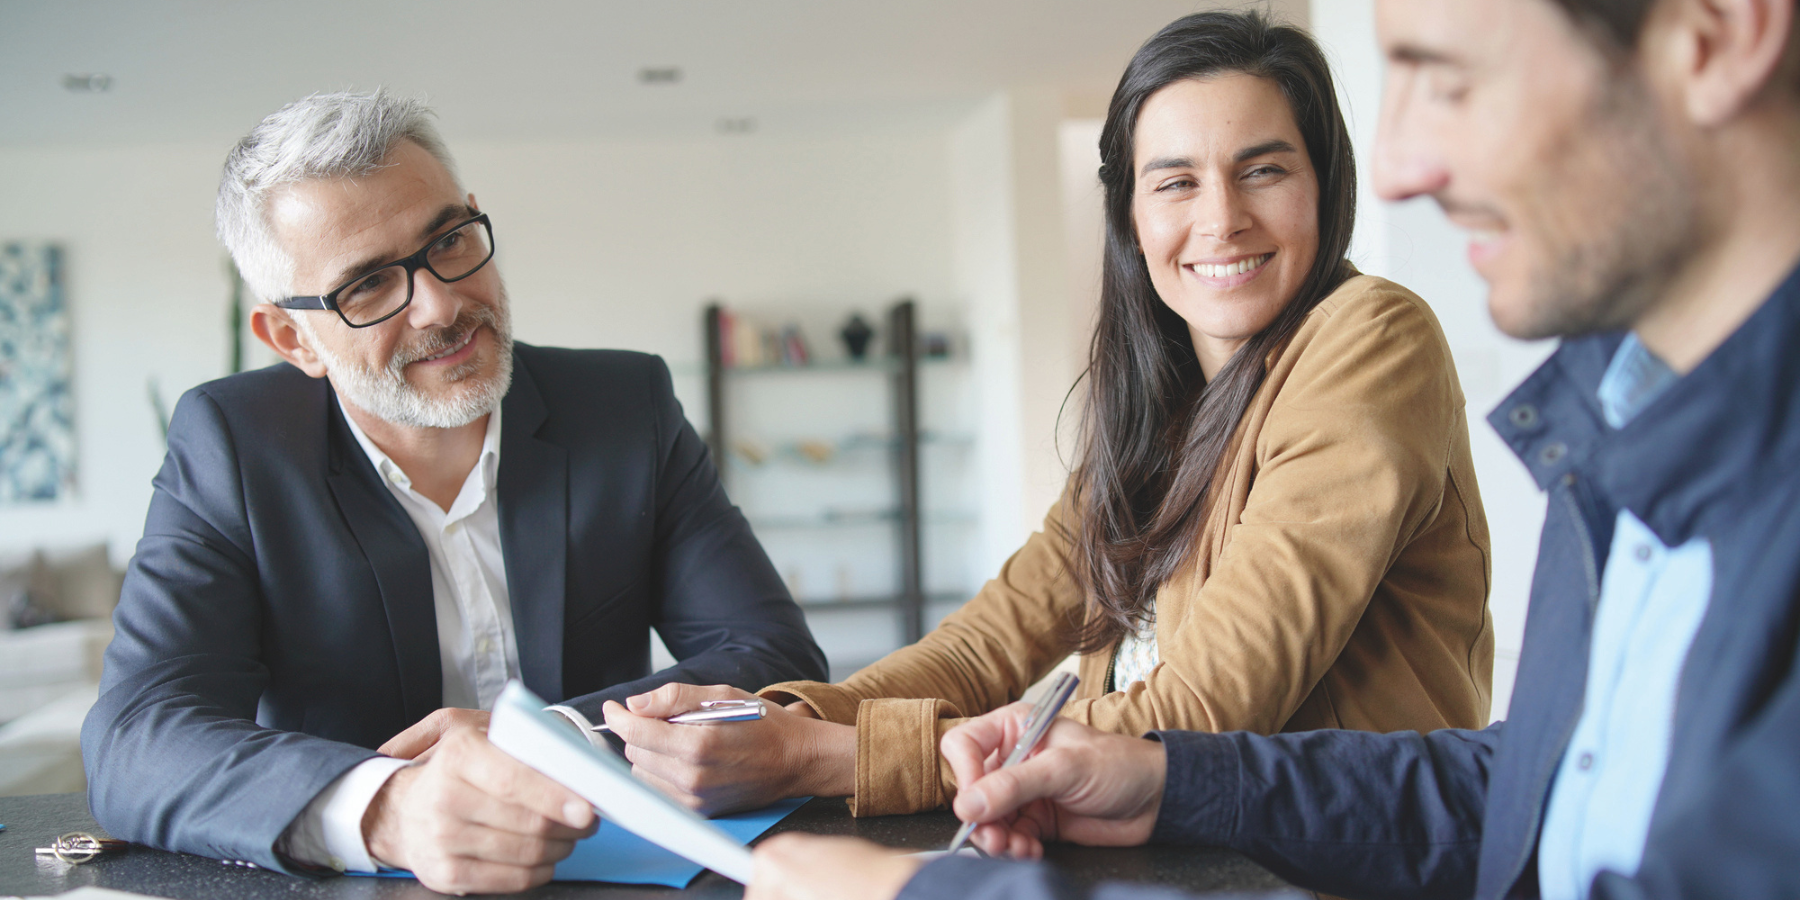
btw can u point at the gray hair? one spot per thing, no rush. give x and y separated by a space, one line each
335 135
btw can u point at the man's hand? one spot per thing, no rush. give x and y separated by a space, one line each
807 867
733 765
473 819
1081 785
416 742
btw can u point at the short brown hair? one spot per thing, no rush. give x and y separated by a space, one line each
1617 22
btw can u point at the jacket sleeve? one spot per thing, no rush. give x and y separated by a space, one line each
1351 459
1344 812
724 613
989 879
981 657
173 753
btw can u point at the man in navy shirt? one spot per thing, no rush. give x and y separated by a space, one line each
1629 171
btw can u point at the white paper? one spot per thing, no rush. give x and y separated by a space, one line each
544 741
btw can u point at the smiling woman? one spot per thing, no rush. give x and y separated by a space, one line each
1273 524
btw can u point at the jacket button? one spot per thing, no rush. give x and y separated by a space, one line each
1524 415
1553 453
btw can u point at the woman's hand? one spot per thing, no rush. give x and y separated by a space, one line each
1081 785
732 765
797 866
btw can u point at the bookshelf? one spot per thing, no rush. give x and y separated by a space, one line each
855 495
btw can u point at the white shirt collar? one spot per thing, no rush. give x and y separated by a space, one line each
488 464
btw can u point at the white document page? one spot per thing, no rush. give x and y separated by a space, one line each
545 742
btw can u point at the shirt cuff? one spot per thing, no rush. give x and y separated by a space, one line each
594 738
328 832
1200 791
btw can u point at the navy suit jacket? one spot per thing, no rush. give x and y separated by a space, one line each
277 622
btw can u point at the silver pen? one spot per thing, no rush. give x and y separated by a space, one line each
1037 724
712 712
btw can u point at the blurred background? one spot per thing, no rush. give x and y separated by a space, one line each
926 166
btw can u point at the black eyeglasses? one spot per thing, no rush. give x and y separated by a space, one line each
378 296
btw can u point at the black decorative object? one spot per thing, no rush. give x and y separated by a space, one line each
856 335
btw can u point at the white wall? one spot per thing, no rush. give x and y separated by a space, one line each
603 244
147 292
1413 244
1028 317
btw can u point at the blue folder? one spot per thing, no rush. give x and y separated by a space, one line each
616 855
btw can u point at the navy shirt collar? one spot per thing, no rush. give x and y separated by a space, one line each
1695 440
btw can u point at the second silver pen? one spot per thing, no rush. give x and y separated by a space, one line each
1037 724
712 712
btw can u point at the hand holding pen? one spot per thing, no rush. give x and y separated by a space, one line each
762 752
1037 723
711 712
1082 785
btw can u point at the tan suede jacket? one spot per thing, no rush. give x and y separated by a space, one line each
1341 579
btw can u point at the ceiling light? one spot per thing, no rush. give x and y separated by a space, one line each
737 125
659 75
88 82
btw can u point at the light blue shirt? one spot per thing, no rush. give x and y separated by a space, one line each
1652 599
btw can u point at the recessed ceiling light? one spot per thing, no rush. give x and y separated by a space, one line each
659 75
737 125
87 82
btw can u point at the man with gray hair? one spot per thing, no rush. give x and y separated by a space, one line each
348 555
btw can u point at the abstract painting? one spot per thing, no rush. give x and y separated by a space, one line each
37 404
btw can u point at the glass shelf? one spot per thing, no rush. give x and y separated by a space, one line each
816 453
884 364
843 517
875 602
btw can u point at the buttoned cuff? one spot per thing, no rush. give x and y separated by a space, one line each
1200 791
595 739
328 833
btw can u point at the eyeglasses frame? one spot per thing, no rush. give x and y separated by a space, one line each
412 264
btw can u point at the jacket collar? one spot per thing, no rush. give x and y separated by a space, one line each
1718 430
533 512
534 528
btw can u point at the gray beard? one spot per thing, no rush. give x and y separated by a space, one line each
385 393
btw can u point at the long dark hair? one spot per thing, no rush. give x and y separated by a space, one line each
1154 430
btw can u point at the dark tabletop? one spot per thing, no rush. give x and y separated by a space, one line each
33 822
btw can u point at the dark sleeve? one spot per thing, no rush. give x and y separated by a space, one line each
1344 812
1731 830
992 879
173 754
725 614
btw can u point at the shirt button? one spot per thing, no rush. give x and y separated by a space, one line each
1584 762
1553 454
452 527
1524 415
482 645
1643 553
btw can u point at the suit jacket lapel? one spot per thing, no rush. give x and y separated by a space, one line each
534 527
391 543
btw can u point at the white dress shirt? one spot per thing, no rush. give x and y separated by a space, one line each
476 644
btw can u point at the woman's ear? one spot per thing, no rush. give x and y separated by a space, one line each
273 326
1718 55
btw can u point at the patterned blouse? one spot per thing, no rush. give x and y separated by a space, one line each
1136 654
